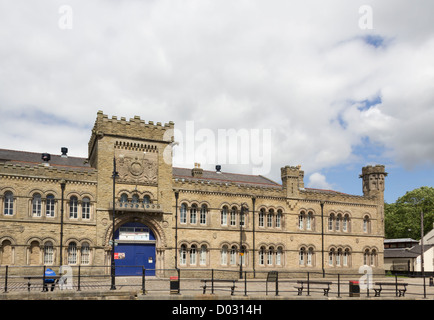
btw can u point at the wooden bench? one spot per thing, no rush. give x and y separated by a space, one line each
53 280
224 284
399 287
325 285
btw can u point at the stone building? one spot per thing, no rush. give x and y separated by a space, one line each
58 210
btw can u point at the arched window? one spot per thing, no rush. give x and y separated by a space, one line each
243 255
36 205
262 256
338 222
374 258
224 216
203 211
366 224
72 253
203 253
331 219
279 219
183 255
50 206
346 223
270 254
309 260
338 257
301 256
85 253
193 252
243 215
135 201
309 220
346 258
183 213
366 258
301 217
193 214
85 208
146 200
270 218
233 255
48 253
261 217
73 207
331 256
279 254
9 204
124 200
224 255
233 219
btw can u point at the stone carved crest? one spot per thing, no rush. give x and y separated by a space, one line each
137 170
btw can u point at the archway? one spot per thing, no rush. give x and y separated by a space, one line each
135 249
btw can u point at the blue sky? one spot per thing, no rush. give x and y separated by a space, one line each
336 84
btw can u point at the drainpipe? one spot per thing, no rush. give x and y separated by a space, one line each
176 229
254 245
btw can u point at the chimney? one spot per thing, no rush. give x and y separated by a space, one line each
64 151
46 157
197 171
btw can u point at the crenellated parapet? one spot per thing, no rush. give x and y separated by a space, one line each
134 128
44 172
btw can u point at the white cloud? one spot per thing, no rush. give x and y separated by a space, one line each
300 69
318 181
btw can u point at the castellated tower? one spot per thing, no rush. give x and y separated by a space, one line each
373 187
292 180
373 181
142 153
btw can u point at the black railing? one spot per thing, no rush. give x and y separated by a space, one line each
217 281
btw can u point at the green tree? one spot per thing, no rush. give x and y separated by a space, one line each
402 218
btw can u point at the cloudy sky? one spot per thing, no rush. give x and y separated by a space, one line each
331 85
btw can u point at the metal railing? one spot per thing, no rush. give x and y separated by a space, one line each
191 281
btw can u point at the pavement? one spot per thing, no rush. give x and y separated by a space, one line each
130 288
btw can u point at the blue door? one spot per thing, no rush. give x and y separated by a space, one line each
135 250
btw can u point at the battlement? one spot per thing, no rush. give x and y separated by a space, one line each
42 171
373 170
134 128
290 171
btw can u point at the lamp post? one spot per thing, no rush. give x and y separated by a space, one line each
62 186
113 267
241 241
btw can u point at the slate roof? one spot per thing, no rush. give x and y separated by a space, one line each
225 177
34 159
405 252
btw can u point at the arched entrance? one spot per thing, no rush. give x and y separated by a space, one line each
135 249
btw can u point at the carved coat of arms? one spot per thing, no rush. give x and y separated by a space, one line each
136 170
